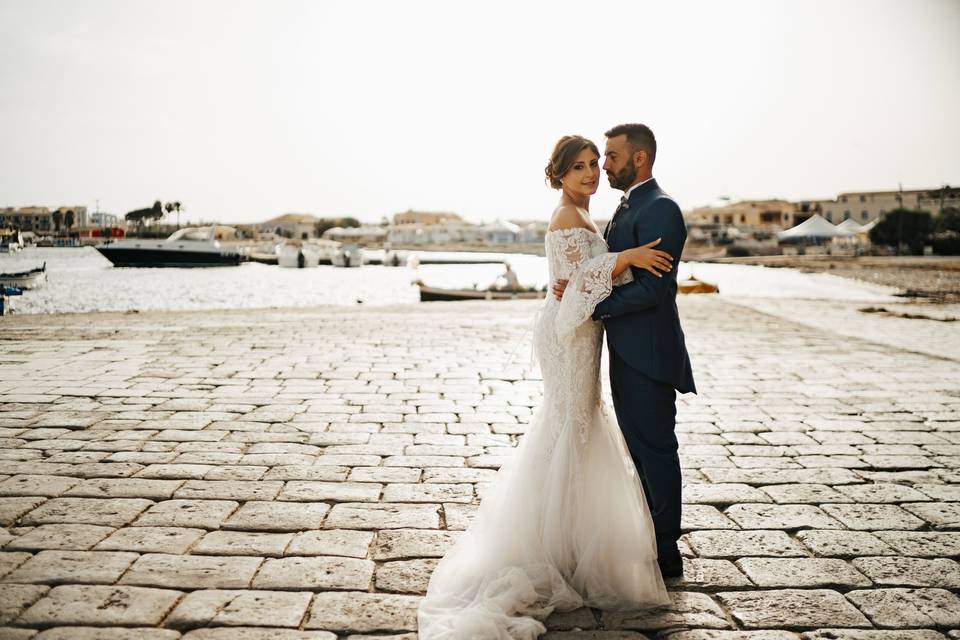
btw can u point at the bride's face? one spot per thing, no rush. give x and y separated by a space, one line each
584 174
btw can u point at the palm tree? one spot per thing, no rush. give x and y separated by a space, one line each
176 207
168 208
57 221
68 219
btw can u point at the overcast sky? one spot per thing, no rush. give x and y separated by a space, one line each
244 110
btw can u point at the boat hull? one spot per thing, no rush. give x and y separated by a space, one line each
433 294
142 257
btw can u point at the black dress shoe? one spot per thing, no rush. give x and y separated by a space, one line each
671 567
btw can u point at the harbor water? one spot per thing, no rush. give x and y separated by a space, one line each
81 280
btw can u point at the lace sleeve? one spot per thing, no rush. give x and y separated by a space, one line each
590 283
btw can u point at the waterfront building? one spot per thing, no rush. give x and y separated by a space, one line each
292 225
41 219
864 206
769 214
101 219
364 235
425 217
501 232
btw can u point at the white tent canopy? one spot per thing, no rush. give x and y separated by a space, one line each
814 227
850 225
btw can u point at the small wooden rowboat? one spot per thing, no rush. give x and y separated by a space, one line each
692 285
435 294
25 279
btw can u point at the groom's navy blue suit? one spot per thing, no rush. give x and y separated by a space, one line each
648 356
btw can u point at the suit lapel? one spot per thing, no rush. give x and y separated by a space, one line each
636 196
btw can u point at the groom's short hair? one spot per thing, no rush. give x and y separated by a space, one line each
639 136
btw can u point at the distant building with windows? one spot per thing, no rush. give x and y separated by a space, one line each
777 214
100 219
292 225
42 219
425 217
864 206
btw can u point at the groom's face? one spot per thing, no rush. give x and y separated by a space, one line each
619 165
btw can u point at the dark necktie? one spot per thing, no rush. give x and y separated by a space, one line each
613 220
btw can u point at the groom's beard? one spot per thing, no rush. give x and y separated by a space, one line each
624 178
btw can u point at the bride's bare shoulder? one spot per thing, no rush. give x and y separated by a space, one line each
568 216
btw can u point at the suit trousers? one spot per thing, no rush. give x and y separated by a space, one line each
646 410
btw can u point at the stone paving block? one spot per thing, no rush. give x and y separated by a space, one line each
10 560
700 573
204 514
176 471
213 607
278 516
940 515
102 633
386 474
11 509
71 567
192 572
802 572
316 573
359 515
15 598
722 494
904 608
35 485
124 488
309 491
113 512
242 543
241 490
781 516
253 633
322 473
711 634
687 609
872 517
331 542
843 543
459 516
946 492
428 492
405 576
151 539
881 492
704 516
911 572
803 493
413 543
737 544
931 544
60 536
359 611
872 634
791 609
100 606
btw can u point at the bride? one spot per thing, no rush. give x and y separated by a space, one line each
564 523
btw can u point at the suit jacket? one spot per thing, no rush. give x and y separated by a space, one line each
641 318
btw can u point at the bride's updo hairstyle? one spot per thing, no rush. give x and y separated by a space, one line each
564 154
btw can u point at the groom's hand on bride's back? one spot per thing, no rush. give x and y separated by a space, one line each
559 287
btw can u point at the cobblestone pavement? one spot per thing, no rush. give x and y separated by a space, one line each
294 474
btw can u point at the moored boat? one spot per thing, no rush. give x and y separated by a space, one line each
436 294
188 247
692 285
25 279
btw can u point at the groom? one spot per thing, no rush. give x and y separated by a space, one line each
648 357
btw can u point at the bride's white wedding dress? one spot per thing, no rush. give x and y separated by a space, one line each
564 523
